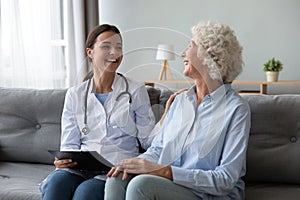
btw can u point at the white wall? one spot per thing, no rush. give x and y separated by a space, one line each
268 28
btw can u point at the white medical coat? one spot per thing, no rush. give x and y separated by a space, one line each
114 144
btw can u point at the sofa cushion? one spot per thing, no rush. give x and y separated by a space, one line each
272 191
30 124
154 95
158 99
164 96
274 144
21 180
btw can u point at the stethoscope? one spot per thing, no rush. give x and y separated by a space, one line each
85 129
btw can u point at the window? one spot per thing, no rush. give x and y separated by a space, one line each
33 44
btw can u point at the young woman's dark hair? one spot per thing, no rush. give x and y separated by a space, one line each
92 38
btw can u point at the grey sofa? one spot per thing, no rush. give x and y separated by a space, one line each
30 125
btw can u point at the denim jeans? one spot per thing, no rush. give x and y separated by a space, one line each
155 187
115 188
63 185
146 187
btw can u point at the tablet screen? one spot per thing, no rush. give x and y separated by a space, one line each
86 160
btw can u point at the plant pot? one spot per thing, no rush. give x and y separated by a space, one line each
272 76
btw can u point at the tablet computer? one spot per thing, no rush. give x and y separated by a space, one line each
86 160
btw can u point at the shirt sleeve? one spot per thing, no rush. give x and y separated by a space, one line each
224 177
70 134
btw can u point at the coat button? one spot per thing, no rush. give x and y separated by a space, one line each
293 139
38 126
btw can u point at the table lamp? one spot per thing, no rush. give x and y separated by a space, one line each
165 52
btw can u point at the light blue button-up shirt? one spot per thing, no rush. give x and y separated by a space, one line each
205 145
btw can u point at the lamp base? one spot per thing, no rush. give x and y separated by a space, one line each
164 71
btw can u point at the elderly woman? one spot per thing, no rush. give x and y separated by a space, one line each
200 149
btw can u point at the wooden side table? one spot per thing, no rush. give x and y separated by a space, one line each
263 85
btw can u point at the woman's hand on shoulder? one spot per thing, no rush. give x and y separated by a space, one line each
170 101
64 163
172 97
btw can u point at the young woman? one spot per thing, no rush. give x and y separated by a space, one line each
107 113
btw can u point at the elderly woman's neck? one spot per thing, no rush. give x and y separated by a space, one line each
201 90
204 87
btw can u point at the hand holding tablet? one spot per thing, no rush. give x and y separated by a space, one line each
86 160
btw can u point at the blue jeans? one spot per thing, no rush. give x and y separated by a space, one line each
63 185
155 187
115 188
146 187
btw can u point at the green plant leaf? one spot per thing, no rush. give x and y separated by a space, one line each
273 65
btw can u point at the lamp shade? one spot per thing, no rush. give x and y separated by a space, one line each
165 52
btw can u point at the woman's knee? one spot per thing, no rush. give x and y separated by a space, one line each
155 187
90 189
60 183
140 187
63 179
115 187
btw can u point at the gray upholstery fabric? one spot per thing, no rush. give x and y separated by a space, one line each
273 153
158 99
154 95
164 96
272 191
20 181
29 124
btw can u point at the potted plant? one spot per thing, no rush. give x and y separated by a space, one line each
272 68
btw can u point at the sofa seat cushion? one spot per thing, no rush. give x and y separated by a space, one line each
20 181
272 191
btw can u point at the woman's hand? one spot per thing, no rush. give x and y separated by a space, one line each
169 103
64 163
113 172
172 97
140 166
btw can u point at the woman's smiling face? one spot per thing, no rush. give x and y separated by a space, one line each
193 64
107 52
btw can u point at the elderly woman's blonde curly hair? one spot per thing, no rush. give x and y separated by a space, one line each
222 51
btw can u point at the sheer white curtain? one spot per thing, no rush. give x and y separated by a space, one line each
76 38
82 16
43 42
26 36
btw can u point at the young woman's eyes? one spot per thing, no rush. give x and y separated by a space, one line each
106 47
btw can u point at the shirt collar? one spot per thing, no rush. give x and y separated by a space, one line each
216 95
220 92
